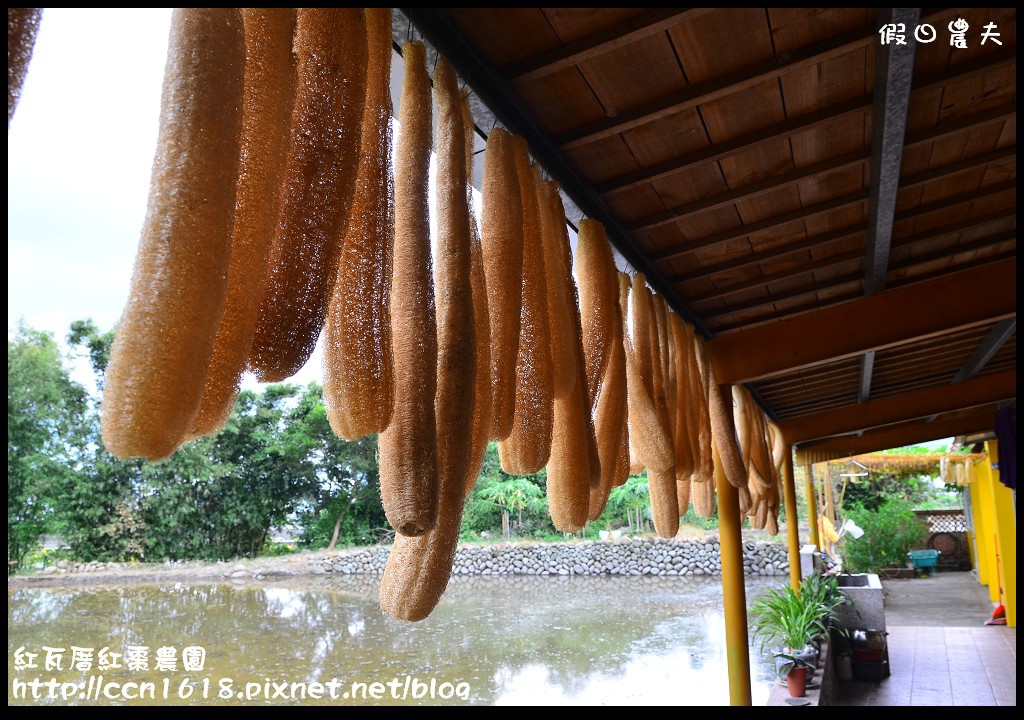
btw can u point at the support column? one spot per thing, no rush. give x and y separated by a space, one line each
812 504
1006 538
734 593
792 520
830 513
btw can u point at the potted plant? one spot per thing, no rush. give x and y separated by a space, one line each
823 590
797 673
788 622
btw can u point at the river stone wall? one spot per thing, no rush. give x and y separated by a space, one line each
637 556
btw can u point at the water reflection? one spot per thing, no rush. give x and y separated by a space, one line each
521 640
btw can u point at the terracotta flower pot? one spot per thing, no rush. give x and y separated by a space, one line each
796 681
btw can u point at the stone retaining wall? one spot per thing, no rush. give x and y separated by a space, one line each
589 557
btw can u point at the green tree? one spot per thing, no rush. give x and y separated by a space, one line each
631 499
100 508
513 494
45 408
891 530
343 499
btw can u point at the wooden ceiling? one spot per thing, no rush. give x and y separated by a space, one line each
836 216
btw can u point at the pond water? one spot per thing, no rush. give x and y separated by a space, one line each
492 641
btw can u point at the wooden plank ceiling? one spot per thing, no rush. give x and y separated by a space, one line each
837 216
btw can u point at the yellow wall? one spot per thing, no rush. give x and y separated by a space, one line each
980 530
1005 520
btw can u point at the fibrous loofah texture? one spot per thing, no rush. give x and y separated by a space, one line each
159 359
322 166
418 568
723 431
359 385
650 429
563 317
597 278
684 406
501 229
571 465
527 449
611 419
22 29
266 121
603 346
704 466
481 313
408 446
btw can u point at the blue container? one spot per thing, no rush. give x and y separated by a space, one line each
924 558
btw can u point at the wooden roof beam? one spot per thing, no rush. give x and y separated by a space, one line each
987 348
890 318
921 403
734 82
918 431
592 46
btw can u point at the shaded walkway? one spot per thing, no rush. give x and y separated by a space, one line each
940 650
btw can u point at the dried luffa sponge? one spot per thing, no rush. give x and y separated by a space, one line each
527 449
359 386
159 359
481 313
321 171
266 121
418 568
22 28
408 446
501 237
573 445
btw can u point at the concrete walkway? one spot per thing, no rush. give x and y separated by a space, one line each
940 650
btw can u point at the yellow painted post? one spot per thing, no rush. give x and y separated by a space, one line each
734 593
979 525
792 520
1006 539
830 512
812 504
987 538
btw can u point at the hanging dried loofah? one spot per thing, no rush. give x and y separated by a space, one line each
723 432
574 460
596 276
482 386
408 446
612 415
321 172
418 568
266 122
22 28
501 236
359 385
527 449
159 359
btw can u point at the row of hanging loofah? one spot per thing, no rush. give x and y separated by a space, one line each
275 215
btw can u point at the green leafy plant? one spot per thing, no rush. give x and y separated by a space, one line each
890 531
823 590
785 619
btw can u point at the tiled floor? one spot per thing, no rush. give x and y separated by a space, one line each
940 651
958 666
